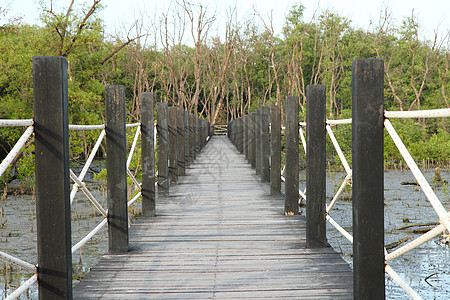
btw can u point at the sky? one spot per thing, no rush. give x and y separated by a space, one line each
431 14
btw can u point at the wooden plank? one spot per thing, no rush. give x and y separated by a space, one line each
219 235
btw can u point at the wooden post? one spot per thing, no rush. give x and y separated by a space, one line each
187 139
199 135
233 132
275 148
245 136
252 148
368 184
316 166
192 136
195 137
265 144
258 141
181 143
203 135
291 142
240 135
148 155
162 116
116 164
51 127
173 137
249 138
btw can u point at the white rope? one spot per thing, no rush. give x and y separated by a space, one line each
302 137
17 261
16 150
87 164
133 146
135 198
339 122
432 198
86 127
339 151
87 193
430 113
132 125
412 293
339 192
415 243
23 288
89 235
344 232
16 123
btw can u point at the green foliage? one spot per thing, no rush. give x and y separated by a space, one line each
316 51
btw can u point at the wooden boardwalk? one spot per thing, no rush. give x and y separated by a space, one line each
219 235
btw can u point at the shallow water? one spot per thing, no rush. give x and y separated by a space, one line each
18 238
404 205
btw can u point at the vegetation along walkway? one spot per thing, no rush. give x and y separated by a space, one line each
219 235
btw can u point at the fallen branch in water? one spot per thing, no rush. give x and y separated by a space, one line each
417 225
397 243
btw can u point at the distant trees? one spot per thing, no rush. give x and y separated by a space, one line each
184 62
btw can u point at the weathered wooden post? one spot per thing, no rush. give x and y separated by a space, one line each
368 185
245 135
241 134
200 134
196 138
162 116
275 148
265 144
181 143
51 127
148 154
258 141
252 149
187 140
204 134
193 137
231 131
291 145
116 159
316 166
173 137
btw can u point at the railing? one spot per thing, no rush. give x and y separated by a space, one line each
220 129
189 132
370 258
442 213
15 151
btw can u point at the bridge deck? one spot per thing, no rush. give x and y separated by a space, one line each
219 235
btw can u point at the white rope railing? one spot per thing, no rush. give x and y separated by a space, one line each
443 214
15 151
23 288
347 180
431 113
79 183
87 164
129 159
21 263
86 127
16 123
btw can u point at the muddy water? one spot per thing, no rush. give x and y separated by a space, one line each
404 205
18 238
426 268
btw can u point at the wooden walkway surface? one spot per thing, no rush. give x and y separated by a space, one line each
219 236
